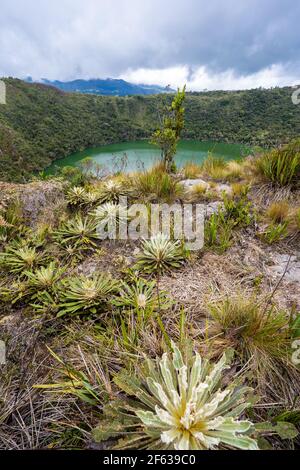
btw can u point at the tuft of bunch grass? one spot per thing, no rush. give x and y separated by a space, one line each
214 167
192 170
157 184
281 166
294 221
177 404
234 170
259 333
278 212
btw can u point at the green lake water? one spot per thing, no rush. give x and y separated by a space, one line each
142 155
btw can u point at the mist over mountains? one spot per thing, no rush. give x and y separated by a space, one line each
106 87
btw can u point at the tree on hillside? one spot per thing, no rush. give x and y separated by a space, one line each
168 135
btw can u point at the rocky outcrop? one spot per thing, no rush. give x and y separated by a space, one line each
39 201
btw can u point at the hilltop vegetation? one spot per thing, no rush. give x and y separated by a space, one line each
40 124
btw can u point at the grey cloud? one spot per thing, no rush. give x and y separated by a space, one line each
64 39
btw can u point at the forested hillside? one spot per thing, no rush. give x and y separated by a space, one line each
40 124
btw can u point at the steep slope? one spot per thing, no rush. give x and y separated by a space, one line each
40 123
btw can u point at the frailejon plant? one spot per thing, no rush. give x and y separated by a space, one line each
85 295
44 278
177 404
79 232
110 217
18 259
111 191
76 196
141 297
160 254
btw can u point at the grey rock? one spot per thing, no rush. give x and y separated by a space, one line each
189 184
280 262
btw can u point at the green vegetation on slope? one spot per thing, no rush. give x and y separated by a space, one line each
40 124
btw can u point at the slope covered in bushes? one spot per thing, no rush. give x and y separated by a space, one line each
40 124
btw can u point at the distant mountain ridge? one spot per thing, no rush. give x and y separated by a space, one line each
106 87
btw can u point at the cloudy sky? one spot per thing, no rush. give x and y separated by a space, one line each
208 44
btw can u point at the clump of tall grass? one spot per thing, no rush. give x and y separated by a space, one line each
239 189
258 332
278 211
218 232
234 170
281 166
214 167
294 220
192 170
156 183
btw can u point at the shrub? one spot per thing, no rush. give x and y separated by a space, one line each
275 232
281 166
177 404
237 209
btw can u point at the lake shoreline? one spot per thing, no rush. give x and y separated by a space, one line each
142 154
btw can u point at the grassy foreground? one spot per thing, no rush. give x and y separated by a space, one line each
144 344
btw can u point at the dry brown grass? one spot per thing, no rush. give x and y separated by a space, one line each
278 211
191 170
